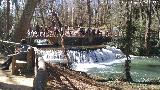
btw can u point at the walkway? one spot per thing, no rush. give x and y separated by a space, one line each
12 82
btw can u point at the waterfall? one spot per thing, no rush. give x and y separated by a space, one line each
95 56
99 58
87 56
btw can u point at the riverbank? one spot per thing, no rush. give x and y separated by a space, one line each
67 79
61 78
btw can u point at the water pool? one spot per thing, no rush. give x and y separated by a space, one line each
143 69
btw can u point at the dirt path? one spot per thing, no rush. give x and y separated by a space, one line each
12 82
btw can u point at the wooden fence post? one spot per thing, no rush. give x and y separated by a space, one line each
14 68
30 60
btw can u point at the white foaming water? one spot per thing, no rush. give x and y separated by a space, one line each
100 58
95 56
84 60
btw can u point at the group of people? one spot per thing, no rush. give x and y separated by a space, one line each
45 31
90 31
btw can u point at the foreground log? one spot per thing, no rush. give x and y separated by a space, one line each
40 79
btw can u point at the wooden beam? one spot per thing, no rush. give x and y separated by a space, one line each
40 79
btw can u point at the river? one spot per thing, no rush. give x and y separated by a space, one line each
143 69
107 63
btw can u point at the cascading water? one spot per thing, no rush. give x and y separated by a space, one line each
107 62
83 60
95 56
52 55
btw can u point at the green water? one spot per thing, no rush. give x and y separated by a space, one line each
145 69
142 69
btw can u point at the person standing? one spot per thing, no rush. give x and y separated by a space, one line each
38 30
21 54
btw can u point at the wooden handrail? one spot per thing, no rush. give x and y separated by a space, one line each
9 42
40 80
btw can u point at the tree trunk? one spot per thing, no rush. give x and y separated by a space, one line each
41 6
24 22
129 42
8 17
148 29
156 10
141 23
158 17
57 18
97 14
89 13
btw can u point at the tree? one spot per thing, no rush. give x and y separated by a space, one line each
148 29
24 22
156 9
129 32
140 22
89 13
2 23
41 7
8 17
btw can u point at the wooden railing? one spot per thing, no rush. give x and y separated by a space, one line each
25 66
41 76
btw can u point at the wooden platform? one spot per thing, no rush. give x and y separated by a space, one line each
73 41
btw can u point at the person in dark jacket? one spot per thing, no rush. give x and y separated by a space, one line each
38 30
21 54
